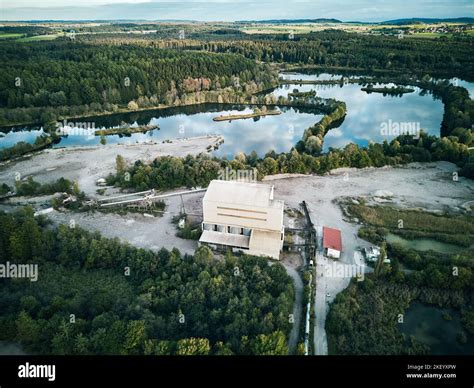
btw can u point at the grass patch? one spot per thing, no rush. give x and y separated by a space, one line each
39 38
388 217
10 36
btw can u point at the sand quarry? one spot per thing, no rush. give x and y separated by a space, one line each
428 186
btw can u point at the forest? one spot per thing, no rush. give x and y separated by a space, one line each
338 49
100 296
327 49
42 81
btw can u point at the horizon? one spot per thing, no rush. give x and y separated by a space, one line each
364 11
296 20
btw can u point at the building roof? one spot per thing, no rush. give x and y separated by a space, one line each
332 238
242 193
234 240
264 242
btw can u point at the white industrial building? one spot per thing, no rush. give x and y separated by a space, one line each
243 217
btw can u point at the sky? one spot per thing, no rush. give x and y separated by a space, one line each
231 10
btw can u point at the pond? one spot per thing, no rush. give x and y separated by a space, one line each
371 116
428 326
424 244
278 133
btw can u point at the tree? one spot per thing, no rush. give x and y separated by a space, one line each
132 105
120 165
203 255
135 338
271 344
103 139
27 330
193 347
380 262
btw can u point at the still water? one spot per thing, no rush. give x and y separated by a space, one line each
427 325
278 133
368 114
370 117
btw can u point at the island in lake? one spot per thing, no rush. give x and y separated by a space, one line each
125 131
394 90
256 113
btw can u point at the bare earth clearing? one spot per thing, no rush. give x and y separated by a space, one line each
87 164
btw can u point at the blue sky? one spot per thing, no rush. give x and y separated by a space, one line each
230 10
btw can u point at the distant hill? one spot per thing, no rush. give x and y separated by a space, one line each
428 20
291 21
395 21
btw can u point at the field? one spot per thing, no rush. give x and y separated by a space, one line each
40 38
426 31
305 28
10 36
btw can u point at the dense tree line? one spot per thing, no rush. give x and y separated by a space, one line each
26 30
361 51
329 48
96 78
30 187
169 303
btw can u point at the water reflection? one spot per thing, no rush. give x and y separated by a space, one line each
263 134
9 139
366 113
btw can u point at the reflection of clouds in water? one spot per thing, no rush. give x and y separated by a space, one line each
262 135
11 138
336 132
366 112
265 134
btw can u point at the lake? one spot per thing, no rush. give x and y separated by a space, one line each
261 134
427 325
366 116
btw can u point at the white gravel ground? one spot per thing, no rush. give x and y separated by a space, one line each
87 164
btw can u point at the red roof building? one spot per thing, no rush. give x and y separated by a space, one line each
332 239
